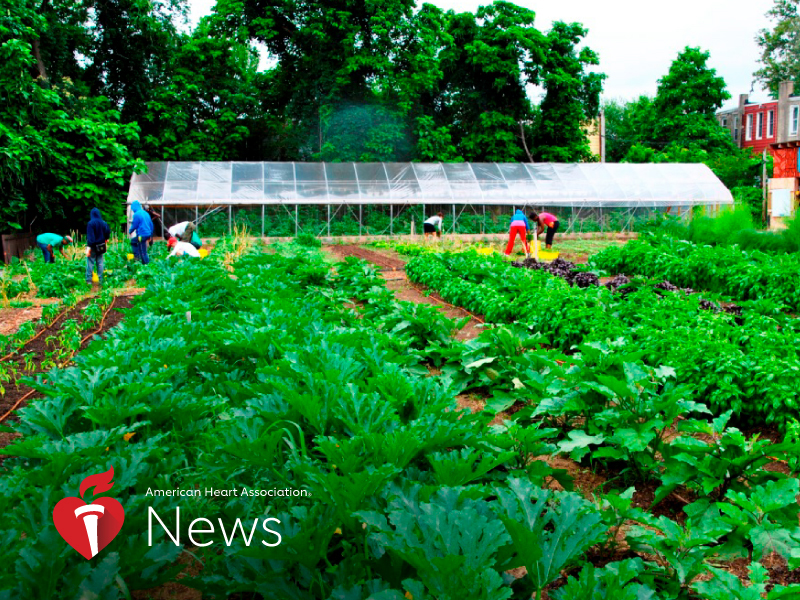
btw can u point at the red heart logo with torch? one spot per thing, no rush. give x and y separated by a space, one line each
90 527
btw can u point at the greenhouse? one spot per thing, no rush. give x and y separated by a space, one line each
285 198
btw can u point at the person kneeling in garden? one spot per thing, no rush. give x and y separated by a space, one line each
519 227
140 231
97 234
545 220
50 242
182 248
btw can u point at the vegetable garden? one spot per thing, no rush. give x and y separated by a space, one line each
275 369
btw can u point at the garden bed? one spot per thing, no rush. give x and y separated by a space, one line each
32 359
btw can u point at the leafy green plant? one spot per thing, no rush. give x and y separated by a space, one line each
548 530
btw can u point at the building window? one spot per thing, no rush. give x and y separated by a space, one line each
724 122
793 120
771 124
760 126
748 130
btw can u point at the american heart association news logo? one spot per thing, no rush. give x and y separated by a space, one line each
89 528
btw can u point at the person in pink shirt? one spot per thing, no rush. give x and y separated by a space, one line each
545 220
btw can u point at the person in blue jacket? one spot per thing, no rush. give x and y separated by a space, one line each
141 230
97 234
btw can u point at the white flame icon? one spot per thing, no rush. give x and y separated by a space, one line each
90 513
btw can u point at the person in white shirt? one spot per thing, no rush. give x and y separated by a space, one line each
182 248
430 226
178 229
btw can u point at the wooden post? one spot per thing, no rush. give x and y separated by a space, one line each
329 220
263 206
360 217
296 221
391 219
230 219
483 223
454 219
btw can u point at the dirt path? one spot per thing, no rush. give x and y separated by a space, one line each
386 263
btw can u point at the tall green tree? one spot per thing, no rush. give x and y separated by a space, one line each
487 61
686 101
572 96
62 153
780 46
209 108
627 123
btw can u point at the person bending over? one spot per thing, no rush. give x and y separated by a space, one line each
430 226
544 221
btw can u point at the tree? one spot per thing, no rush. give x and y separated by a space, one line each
686 101
208 109
572 96
627 124
780 46
487 61
62 153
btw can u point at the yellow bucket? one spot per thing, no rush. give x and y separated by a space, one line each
544 254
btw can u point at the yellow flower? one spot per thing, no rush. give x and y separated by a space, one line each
106 448
409 596
130 256
127 437
337 531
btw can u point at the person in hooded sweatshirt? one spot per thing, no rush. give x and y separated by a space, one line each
97 234
519 227
141 231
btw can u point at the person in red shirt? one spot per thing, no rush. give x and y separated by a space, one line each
545 220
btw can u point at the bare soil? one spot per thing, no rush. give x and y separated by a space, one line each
39 346
11 319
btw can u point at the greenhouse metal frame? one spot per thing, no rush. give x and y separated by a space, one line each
215 186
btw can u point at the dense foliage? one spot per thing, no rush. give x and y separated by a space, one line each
780 46
90 87
278 381
728 270
747 364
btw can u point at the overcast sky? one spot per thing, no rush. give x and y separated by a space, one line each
638 39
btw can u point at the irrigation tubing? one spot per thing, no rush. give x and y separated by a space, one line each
46 328
83 341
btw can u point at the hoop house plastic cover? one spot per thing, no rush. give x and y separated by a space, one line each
550 184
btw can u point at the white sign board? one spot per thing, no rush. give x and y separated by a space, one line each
781 203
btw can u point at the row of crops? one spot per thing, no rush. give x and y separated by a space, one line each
66 278
748 364
728 270
290 375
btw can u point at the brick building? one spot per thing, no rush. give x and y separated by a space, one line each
782 196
